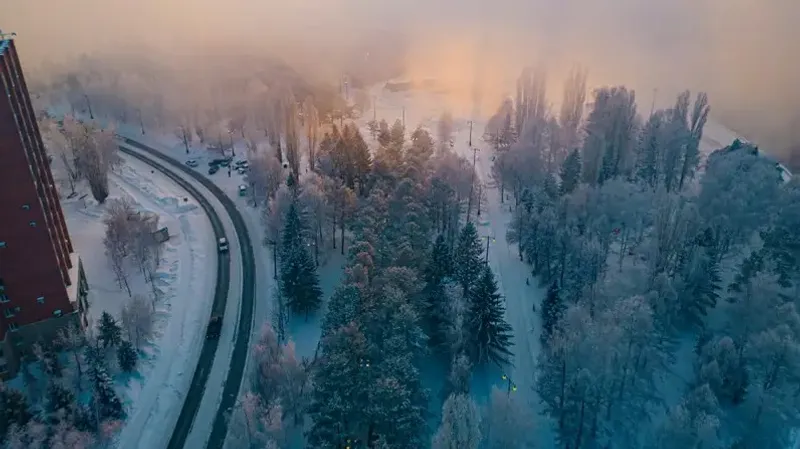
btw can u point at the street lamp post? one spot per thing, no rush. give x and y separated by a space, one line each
488 239
511 385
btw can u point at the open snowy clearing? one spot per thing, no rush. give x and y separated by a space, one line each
183 287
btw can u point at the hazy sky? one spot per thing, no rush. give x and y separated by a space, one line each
743 52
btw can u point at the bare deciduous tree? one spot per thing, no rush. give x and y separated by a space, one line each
137 319
311 124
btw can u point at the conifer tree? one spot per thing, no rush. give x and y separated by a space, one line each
110 333
299 281
339 401
488 334
59 398
552 311
468 261
570 172
440 264
437 311
105 403
126 356
13 409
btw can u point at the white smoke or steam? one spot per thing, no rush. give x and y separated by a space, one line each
742 52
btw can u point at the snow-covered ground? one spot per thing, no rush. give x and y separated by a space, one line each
304 334
185 292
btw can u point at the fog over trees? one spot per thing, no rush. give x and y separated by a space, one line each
670 278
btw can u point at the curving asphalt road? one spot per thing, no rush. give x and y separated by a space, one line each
233 381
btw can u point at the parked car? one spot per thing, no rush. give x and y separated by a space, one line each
242 190
225 162
242 170
191 163
214 328
242 163
222 244
213 169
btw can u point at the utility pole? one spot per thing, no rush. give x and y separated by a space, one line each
488 239
374 109
472 183
479 198
470 135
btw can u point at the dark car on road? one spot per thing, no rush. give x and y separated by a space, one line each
213 169
214 328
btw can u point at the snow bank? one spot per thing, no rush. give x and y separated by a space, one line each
183 288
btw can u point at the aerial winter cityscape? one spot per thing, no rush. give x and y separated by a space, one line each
388 244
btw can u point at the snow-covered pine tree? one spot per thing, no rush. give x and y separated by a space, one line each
59 398
570 172
106 400
700 281
396 396
552 311
109 332
488 334
299 281
461 424
105 403
436 313
468 261
126 356
339 402
342 308
14 409
440 264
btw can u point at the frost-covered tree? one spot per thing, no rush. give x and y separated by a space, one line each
109 332
298 272
279 378
610 128
721 368
468 259
118 240
694 423
137 318
339 402
437 308
311 125
488 334
552 311
126 356
738 190
265 176
570 172
105 401
508 422
460 427
572 106
14 409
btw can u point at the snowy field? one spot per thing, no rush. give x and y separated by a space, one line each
184 291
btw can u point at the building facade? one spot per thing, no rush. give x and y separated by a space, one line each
42 283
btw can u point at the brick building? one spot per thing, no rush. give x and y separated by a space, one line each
42 284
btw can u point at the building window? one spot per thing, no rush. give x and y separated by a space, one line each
12 326
33 224
26 207
2 244
3 297
40 300
9 313
57 312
